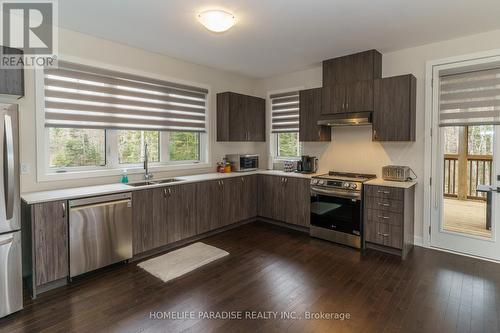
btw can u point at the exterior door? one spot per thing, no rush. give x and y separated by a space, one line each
465 168
466 211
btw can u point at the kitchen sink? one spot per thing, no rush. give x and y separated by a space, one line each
156 182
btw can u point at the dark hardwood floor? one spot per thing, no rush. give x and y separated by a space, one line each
275 269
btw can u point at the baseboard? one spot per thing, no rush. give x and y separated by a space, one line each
183 242
283 224
418 241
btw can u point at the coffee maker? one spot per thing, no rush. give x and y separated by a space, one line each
307 164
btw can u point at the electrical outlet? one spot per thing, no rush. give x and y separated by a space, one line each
25 168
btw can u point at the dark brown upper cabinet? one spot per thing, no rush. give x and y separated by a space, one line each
349 97
395 108
11 80
240 117
361 66
309 114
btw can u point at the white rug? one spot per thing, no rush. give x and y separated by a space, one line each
179 262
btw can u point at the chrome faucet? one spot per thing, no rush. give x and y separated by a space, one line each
147 175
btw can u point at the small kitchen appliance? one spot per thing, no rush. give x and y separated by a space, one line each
398 173
309 164
243 162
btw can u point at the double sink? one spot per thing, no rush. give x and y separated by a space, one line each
157 182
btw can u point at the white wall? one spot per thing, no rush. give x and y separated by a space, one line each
103 51
351 149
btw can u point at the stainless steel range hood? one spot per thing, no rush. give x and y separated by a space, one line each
346 119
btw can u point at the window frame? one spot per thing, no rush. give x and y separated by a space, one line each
273 138
112 168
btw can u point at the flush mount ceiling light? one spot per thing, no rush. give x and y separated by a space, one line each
217 20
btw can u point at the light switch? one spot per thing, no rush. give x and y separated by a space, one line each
25 168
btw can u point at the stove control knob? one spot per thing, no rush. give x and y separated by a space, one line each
321 182
314 181
353 186
346 185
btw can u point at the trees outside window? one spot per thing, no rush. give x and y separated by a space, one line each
288 144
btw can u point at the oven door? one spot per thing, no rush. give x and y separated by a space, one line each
336 210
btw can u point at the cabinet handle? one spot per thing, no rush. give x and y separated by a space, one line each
164 192
242 179
384 204
384 192
343 105
383 217
63 209
382 234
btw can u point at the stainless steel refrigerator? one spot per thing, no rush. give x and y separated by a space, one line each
11 285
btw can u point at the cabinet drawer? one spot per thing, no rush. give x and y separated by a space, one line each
382 216
384 234
385 192
386 205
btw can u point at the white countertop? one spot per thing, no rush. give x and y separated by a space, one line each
90 191
381 182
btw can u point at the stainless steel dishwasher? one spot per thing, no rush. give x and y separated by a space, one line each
100 232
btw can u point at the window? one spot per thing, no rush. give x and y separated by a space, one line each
93 119
73 147
131 146
288 145
285 124
184 146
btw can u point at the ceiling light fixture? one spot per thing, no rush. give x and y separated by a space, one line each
217 20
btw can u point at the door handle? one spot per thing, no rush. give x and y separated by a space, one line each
8 167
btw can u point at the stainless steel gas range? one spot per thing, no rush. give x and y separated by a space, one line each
337 207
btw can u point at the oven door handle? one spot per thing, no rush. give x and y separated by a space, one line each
336 193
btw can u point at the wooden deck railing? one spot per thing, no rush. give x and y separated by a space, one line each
478 172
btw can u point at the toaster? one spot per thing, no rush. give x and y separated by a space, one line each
398 173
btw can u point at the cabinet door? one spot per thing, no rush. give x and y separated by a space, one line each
309 113
181 212
296 201
50 232
142 221
361 66
237 117
209 208
394 109
271 197
249 197
333 99
359 96
231 203
186 205
256 119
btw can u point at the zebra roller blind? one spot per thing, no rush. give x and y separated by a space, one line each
471 98
285 112
87 97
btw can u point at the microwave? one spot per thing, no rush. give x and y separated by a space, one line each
241 162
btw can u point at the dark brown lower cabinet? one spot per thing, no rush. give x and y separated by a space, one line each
388 218
284 199
165 215
50 234
271 197
209 198
296 202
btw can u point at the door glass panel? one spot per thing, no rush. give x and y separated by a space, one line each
468 159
